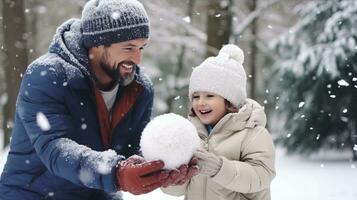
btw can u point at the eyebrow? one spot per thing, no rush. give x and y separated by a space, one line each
133 45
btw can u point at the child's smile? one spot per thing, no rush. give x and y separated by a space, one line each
208 107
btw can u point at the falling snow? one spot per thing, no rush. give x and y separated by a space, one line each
115 15
84 126
301 104
42 121
343 83
187 19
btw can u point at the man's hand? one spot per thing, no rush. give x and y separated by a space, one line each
209 163
182 174
136 176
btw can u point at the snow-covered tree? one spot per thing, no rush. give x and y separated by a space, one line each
316 79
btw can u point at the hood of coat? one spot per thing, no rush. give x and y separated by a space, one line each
249 116
68 44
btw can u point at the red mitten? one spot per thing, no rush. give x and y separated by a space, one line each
182 174
139 177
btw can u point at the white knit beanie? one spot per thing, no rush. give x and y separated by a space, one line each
223 75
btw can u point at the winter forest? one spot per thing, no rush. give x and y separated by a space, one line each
300 59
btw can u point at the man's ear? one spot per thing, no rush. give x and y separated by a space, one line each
94 52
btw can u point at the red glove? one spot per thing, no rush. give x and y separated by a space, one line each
139 177
182 174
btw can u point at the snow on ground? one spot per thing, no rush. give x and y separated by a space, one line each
329 176
3 156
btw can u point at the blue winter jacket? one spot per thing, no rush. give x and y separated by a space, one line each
56 150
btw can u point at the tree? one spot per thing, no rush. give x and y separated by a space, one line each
250 32
219 25
316 78
252 4
16 58
176 45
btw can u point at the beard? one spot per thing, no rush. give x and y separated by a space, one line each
114 72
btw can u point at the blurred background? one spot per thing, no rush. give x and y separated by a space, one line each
300 58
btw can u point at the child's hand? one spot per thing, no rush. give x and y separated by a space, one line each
209 164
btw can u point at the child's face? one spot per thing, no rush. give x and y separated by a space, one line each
208 107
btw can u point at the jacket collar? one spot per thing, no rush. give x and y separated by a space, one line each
249 116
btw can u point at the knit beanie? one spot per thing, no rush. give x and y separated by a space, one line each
223 75
106 22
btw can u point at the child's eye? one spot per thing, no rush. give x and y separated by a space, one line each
210 95
195 97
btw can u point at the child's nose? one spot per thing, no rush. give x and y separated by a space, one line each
202 102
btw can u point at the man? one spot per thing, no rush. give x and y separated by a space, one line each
80 112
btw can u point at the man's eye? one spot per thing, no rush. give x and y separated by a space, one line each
141 48
128 49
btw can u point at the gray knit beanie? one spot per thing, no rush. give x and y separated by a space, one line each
223 75
106 22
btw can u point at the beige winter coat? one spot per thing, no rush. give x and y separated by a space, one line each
248 156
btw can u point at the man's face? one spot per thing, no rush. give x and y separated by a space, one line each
119 60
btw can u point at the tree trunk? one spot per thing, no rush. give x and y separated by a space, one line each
353 134
180 61
32 19
219 25
16 58
252 5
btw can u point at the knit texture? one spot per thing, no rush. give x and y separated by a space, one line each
106 22
223 75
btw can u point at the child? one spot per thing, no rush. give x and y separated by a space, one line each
237 161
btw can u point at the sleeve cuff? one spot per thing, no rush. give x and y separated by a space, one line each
226 174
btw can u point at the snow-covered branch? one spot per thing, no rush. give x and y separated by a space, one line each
175 18
252 16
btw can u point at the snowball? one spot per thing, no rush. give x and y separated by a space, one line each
170 138
233 51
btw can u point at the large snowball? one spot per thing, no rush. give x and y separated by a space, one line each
170 138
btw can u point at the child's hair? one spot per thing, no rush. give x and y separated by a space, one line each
229 107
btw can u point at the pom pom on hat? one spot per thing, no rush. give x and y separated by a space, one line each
233 51
223 75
